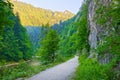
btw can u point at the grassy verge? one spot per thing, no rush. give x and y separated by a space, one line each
25 70
90 69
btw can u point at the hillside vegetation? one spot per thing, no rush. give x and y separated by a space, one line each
93 34
100 60
32 16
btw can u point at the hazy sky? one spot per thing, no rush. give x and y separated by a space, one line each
57 5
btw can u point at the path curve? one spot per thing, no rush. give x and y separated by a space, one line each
62 71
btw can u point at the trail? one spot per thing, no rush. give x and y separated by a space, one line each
62 71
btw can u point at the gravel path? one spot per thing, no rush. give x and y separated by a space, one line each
62 71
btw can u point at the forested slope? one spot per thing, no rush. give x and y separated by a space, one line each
65 30
32 16
93 34
14 41
99 29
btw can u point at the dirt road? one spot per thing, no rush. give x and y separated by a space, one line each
64 71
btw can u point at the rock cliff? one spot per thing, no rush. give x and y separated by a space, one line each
98 32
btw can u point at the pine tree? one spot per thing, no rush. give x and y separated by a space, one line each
5 13
14 41
23 40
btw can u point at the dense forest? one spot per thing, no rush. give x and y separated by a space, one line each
14 41
93 34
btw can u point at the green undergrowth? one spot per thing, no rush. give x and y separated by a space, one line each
26 70
23 70
90 69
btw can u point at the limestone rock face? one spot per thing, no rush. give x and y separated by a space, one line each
92 25
97 32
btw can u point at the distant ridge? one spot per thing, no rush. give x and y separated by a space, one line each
33 16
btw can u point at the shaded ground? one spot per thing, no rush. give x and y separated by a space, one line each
64 71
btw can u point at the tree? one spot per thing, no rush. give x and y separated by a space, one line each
5 24
5 13
82 34
49 46
14 41
23 41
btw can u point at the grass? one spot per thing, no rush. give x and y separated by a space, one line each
26 70
90 69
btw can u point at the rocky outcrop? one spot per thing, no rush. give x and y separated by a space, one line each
97 32
92 25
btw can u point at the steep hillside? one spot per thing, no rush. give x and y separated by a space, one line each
93 34
32 16
99 26
64 29
35 36
104 26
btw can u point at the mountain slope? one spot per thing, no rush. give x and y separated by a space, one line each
99 27
32 16
64 30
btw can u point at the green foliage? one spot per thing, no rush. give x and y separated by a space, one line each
110 45
67 42
82 32
74 36
5 13
109 18
24 69
109 15
90 69
16 71
9 48
20 71
14 41
23 42
31 16
35 35
15 44
49 46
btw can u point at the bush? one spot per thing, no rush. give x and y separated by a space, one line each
10 73
90 69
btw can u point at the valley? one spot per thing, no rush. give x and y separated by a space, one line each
41 44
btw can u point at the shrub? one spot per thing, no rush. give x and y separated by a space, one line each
90 69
